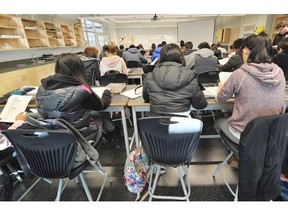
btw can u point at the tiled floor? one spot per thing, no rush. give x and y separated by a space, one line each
203 186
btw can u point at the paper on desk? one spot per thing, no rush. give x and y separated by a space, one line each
210 92
14 105
223 61
223 76
98 90
132 94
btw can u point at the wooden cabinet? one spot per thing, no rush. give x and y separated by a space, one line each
223 35
54 34
12 35
276 21
69 36
35 33
79 36
22 33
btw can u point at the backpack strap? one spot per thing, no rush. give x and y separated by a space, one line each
61 123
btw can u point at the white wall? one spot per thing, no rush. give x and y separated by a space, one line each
146 36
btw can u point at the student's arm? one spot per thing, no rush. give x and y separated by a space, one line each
93 101
143 59
145 94
198 100
229 88
20 119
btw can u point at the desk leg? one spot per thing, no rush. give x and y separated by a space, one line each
125 131
136 137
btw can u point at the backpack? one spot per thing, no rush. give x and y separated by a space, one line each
136 172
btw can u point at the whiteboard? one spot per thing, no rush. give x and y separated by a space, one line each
196 31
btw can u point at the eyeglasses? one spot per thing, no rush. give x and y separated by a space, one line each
138 90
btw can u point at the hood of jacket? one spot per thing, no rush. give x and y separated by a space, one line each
133 50
172 75
59 81
205 52
111 62
269 75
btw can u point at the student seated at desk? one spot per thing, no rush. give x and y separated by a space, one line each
235 61
258 86
113 62
67 95
171 87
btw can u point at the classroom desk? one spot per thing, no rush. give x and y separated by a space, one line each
117 104
136 73
138 105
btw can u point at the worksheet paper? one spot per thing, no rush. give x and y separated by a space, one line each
14 105
223 76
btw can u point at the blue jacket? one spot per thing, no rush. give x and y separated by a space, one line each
156 53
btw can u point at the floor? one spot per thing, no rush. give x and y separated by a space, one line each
203 186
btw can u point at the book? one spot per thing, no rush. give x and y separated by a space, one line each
223 76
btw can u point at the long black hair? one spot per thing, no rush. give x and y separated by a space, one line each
260 47
172 52
70 64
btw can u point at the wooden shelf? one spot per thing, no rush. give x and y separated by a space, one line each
21 33
13 34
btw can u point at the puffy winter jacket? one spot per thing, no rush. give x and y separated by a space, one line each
64 97
172 88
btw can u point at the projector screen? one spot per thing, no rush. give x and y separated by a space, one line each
196 31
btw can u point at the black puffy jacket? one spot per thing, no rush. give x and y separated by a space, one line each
172 88
64 97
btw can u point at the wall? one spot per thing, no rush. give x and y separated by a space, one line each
146 37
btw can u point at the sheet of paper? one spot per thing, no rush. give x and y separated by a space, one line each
14 105
223 76
210 92
98 90
223 61
132 94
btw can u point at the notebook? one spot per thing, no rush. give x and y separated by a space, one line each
116 88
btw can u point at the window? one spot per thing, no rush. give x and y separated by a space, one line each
91 31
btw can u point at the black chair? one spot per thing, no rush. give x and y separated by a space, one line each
133 64
169 142
50 154
10 165
233 150
209 78
113 76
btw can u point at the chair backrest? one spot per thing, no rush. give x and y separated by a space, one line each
92 70
113 76
211 77
169 140
133 64
48 153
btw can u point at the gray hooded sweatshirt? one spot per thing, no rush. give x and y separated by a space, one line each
204 53
259 91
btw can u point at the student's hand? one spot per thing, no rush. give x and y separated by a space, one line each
21 116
